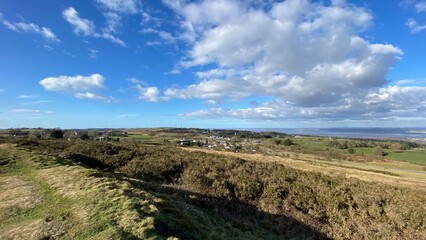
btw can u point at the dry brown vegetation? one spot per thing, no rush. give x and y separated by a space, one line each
392 173
287 201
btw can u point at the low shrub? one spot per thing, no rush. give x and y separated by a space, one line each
338 206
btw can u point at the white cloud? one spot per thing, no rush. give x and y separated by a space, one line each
81 26
2 90
421 7
36 102
25 96
127 115
406 3
306 53
47 47
24 27
405 82
149 19
134 80
387 102
414 26
113 11
399 97
30 111
411 23
149 94
71 83
166 37
113 22
309 57
212 89
93 53
112 38
86 28
121 6
92 96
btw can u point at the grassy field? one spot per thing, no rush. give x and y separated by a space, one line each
312 142
411 156
67 202
389 172
43 197
140 137
417 157
118 190
364 150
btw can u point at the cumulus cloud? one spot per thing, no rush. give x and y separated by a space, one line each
409 82
81 26
86 28
411 23
214 89
113 11
122 6
113 22
385 103
406 3
397 97
71 83
304 52
309 58
92 96
150 94
421 6
25 27
414 26
166 37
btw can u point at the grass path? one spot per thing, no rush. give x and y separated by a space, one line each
41 199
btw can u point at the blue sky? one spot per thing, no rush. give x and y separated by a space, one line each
212 63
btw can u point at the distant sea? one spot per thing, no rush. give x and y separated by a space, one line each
374 133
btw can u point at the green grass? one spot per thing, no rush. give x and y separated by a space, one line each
364 150
416 157
410 156
141 137
119 209
52 206
164 191
311 142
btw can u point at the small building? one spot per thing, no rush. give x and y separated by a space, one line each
185 142
102 138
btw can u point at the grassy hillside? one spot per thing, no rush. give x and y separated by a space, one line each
138 191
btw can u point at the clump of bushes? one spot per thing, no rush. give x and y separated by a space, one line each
338 206
288 142
378 151
57 134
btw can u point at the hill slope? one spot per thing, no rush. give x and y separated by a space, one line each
92 190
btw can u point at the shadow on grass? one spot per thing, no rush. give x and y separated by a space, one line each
191 215
177 215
